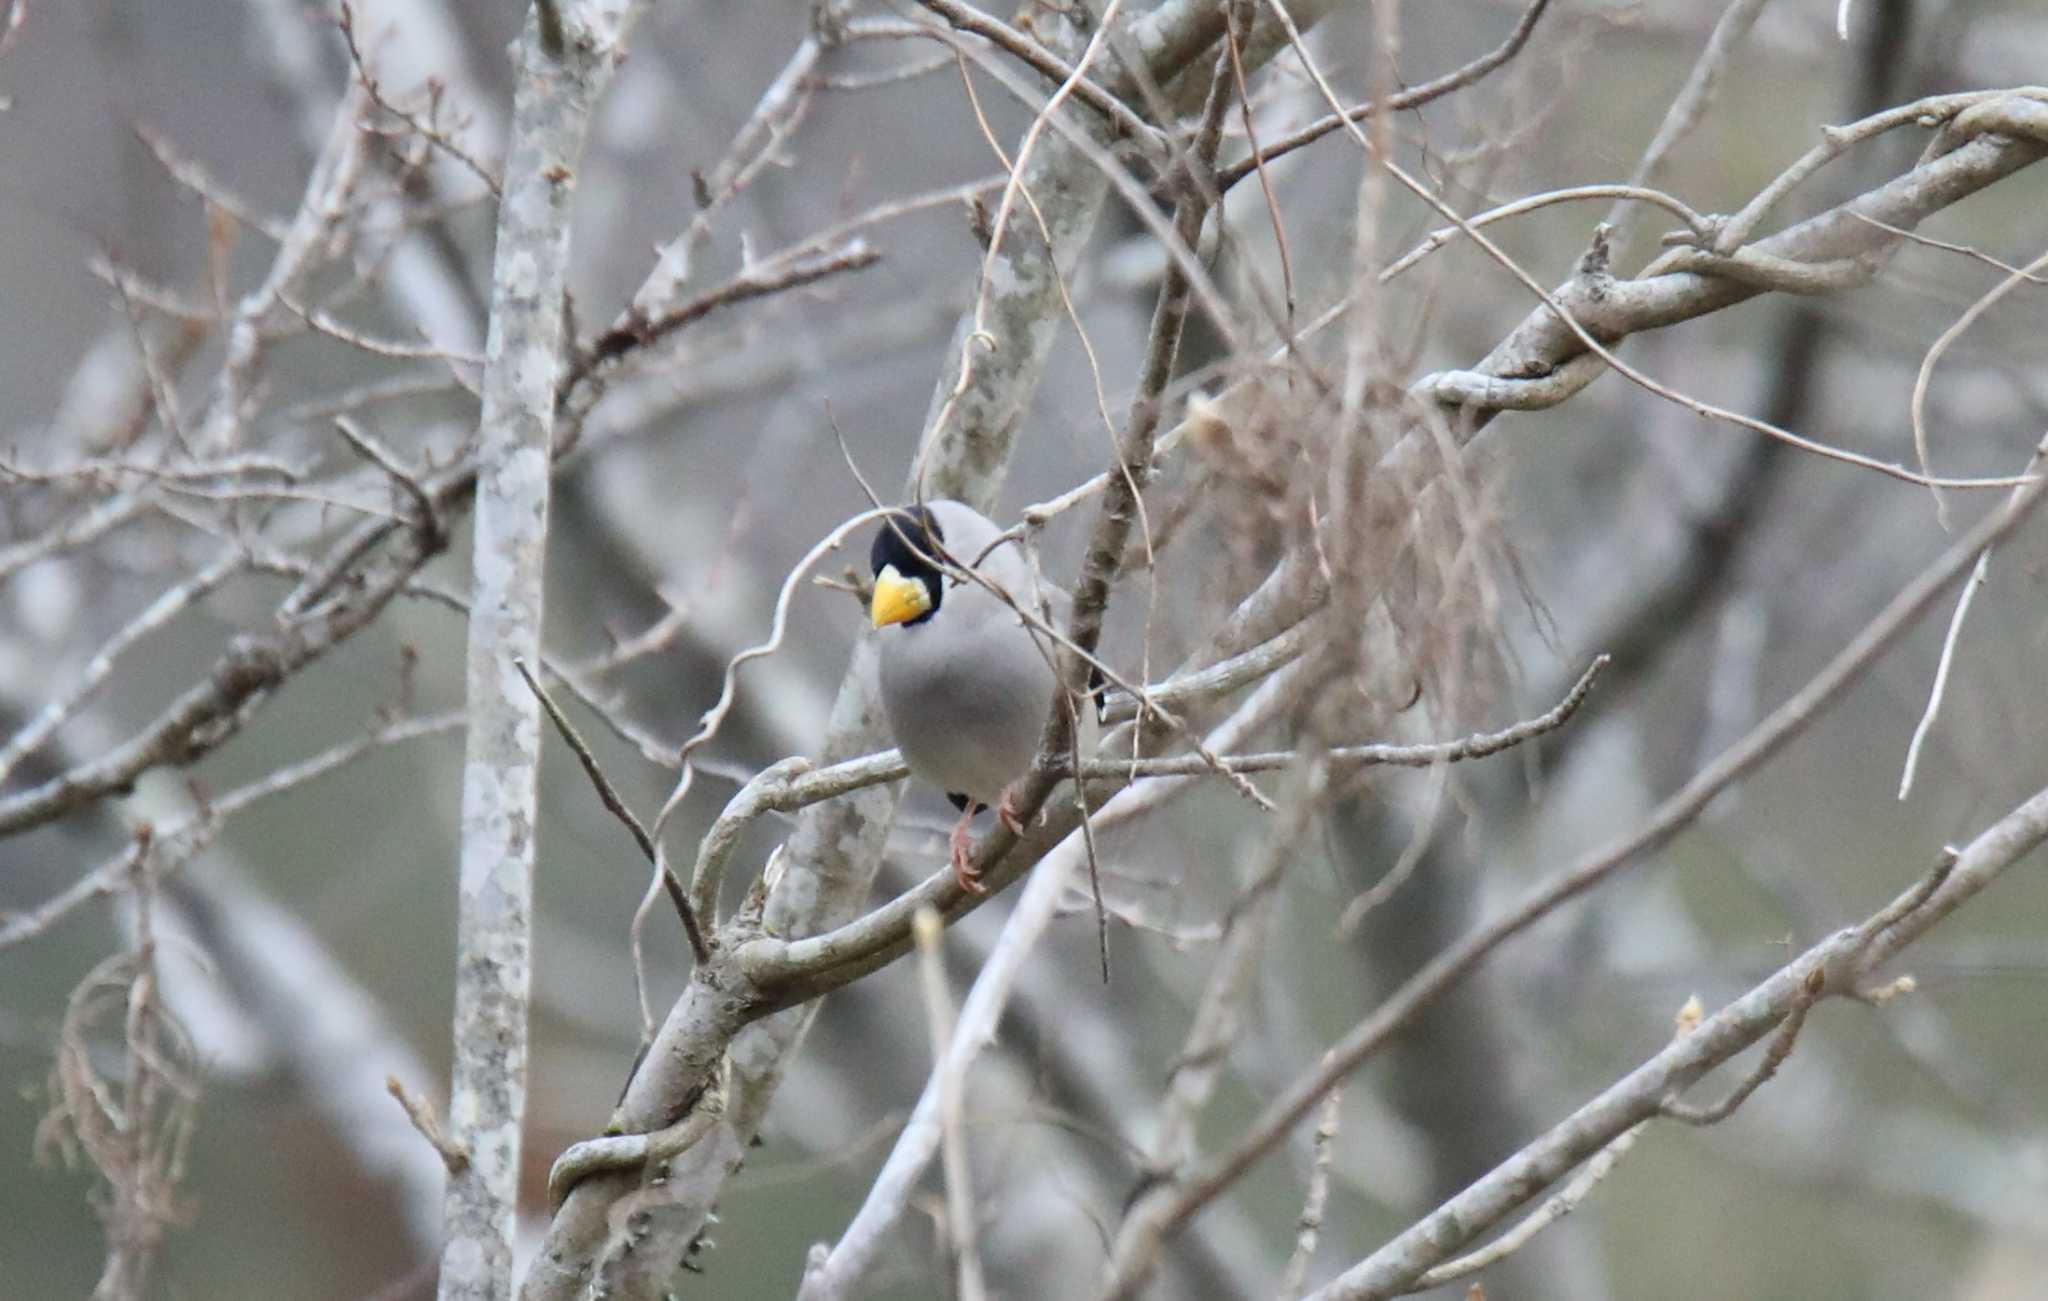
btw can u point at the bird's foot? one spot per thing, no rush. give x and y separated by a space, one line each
961 851
1006 809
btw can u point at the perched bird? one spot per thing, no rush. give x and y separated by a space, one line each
966 683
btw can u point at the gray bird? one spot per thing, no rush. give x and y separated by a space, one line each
966 684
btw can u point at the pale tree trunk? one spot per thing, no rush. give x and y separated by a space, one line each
565 55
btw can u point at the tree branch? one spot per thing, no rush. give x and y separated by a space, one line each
1845 960
1165 1212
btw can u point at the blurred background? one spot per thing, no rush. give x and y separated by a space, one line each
308 945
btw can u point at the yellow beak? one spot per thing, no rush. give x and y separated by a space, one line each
897 598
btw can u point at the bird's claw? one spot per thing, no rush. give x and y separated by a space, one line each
962 855
961 845
1006 810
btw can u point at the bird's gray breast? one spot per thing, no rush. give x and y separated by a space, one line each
967 694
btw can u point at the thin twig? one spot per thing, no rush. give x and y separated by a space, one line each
454 1156
1948 246
1622 194
616 806
424 128
194 177
1308 1226
1782 1043
1081 809
775 276
1425 755
997 32
1690 105
1924 378
1562 1203
1939 688
168 605
960 1213
323 322
374 451
1400 101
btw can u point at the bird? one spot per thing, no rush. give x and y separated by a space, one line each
967 685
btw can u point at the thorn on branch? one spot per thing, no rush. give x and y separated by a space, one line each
980 223
421 1113
1595 261
850 582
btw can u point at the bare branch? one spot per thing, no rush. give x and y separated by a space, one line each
608 795
1173 1208
178 840
952 1122
377 454
1308 1228
1924 378
1846 957
1810 989
208 714
1030 52
1401 101
1693 99
1948 645
425 128
1563 1203
174 601
800 267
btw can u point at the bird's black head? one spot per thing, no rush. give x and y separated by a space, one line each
908 543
